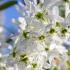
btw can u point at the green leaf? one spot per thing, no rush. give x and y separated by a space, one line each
7 4
9 40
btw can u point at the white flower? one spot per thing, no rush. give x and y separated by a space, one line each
13 20
56 59
16 67
22 22
10 47
2 64
0 55
61 49
41 41
1 29
56 39
10 68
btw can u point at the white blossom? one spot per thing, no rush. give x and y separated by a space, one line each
42 33
22 22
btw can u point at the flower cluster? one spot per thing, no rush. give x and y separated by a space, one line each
43 40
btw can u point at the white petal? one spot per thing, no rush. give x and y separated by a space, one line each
52 46
0 55
21 20
1 29
61 49
23 23
10 68
22 26
13 20
2 64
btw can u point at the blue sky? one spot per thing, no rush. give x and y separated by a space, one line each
9 14
10 28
